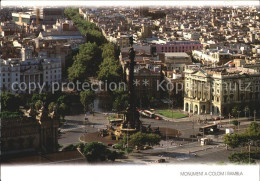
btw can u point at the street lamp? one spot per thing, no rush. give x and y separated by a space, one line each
254 115
249 144
238 119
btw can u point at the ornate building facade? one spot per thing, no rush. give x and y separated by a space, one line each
217 90
36 131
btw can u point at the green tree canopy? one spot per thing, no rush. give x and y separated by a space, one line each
110 71
141 139
38 104
51 106
63 110
86 62
120 102
95 152
86 98
10 102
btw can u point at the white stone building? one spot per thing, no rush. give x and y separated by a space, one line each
17 74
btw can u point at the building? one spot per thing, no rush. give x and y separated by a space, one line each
123 40
217 90
49 15
146 31
176 46
23 18
9 28
191 35
147 74
16 74
36 131
64 25
212 56
175 61
58 44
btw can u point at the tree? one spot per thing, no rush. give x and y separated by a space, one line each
241 157
69 147
110 71
63 109
95 36
140 139
109 50
86 98
120 98
38 104
95 151
86 62
10 102
232 141
235 123
51 106
42 97
63 99
235 111
69 59
253 129
153 139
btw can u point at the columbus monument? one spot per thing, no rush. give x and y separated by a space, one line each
131 120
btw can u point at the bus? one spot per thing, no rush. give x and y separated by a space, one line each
147 113
212 128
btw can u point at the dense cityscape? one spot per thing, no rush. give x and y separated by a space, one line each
130 85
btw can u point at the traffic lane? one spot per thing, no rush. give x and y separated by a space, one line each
72 136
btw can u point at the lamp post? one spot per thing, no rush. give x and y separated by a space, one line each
229 117
193 128
249 144
254 115
238 119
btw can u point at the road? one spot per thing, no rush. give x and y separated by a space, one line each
76 126
170 149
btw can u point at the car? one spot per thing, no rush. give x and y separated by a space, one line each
109 144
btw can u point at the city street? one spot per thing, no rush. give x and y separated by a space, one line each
174 150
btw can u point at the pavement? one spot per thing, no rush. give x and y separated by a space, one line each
171 150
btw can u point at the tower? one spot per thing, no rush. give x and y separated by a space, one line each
132 120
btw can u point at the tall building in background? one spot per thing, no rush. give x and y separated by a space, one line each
49 15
